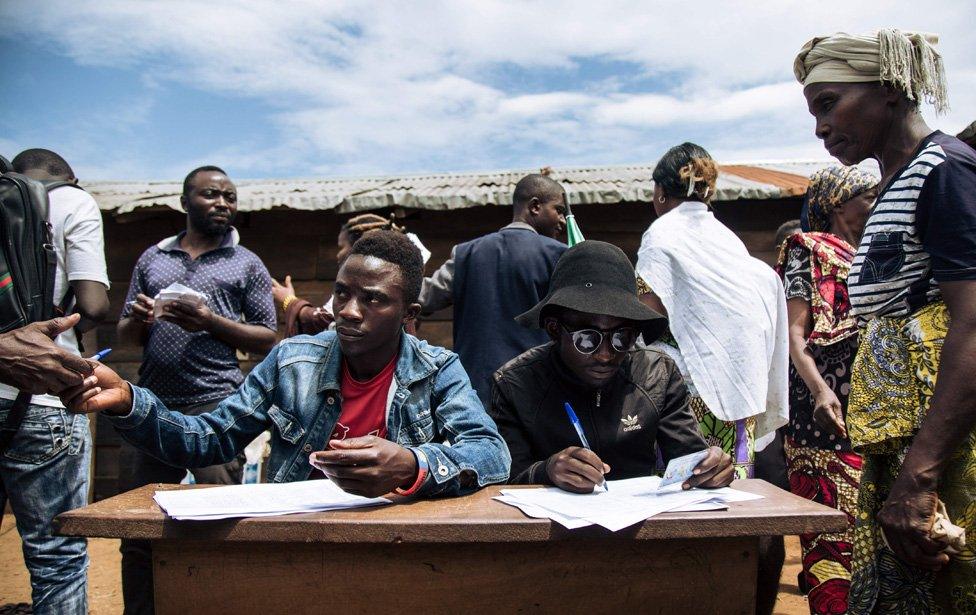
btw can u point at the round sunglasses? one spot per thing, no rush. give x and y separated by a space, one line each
587 341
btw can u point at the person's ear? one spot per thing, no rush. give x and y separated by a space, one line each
411 313
893 96
534 206
551 326
183 201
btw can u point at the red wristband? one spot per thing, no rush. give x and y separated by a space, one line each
423 468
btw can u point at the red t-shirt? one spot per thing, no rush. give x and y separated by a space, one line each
363 404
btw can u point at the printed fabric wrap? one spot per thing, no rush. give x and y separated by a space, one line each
830 478
893 378
830 305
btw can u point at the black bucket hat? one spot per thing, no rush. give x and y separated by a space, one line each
597 278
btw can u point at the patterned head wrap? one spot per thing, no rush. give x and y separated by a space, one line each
829 188
907 60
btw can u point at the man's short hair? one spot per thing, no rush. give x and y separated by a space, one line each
43 160
395 248
785 230
189 178
535 185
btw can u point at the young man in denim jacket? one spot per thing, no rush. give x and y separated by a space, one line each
429 436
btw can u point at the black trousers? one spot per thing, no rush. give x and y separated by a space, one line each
137 469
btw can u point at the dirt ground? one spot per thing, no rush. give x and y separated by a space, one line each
105 590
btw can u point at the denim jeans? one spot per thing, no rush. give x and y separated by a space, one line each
44 473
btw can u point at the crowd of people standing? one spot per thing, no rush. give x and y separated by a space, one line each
857 352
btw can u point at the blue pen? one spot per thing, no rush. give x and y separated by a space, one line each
101 354
579 431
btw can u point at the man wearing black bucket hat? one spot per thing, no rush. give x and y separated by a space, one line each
627 400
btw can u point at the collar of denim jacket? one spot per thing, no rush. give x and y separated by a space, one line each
413 364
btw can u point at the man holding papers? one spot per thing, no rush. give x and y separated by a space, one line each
372 407
626 401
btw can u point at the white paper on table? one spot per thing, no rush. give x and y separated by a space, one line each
607 509
259 500
702 506
625 503
651 484
535 512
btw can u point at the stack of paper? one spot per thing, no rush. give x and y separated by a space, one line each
625 502
176 292
260 500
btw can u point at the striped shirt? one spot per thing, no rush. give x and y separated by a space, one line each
922 230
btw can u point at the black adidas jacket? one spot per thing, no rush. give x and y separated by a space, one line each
643 408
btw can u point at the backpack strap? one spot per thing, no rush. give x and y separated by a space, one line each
62 308
60 183
14 418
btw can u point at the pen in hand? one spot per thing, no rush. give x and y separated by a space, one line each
579 431
101 354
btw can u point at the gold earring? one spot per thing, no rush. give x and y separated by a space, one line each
661 199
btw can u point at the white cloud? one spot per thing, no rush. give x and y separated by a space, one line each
392 87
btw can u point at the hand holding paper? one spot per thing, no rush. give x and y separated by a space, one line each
184 307
710 469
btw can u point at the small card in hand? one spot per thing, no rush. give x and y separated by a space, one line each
680 469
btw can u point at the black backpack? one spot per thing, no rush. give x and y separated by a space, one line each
28 265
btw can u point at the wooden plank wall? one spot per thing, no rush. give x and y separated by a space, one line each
302 244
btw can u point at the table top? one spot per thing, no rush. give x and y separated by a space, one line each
472 518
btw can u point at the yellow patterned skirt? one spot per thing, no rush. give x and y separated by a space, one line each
892 381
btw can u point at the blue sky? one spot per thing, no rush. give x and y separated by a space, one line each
147 90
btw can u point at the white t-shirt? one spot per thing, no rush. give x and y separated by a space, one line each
77 232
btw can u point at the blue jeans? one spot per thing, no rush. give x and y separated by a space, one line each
44 473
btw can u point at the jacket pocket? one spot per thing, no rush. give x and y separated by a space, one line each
884 258
420 431
288 426
41 437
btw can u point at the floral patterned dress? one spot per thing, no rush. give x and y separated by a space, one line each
822 466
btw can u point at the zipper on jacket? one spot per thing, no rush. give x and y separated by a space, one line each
593 425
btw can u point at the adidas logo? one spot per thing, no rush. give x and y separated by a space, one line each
630 423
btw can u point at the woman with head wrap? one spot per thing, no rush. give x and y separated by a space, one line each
823 339
300 315
727 321
912 283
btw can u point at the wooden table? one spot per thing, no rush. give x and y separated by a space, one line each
458 555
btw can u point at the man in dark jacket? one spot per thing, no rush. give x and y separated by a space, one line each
492 279
627 400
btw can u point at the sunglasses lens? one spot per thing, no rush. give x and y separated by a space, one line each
587 340
623 340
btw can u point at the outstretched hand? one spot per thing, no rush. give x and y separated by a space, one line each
103 391
32 362
280 292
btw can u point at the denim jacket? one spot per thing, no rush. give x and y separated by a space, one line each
295 392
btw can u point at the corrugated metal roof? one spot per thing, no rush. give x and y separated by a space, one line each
611 184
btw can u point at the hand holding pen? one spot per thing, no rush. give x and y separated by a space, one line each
101 354
577 469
